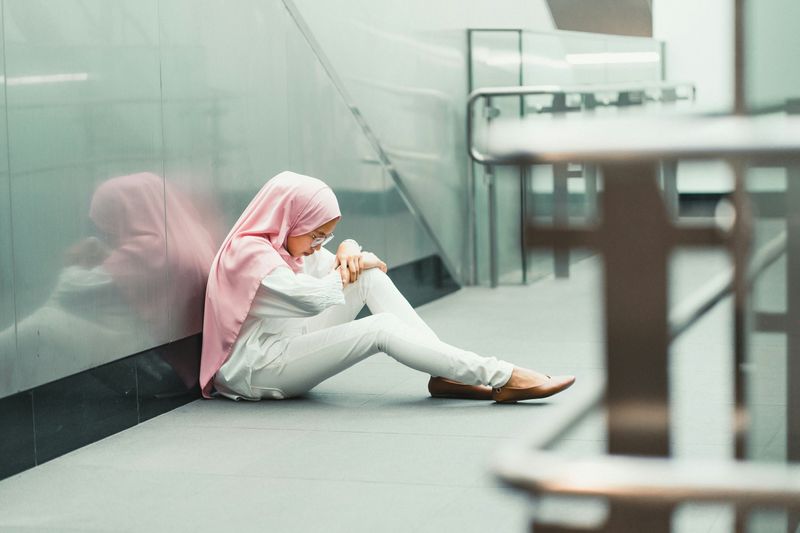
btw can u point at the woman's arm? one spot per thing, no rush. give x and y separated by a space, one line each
284 294
320 263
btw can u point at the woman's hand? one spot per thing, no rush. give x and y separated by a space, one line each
348 258
370 260
345 274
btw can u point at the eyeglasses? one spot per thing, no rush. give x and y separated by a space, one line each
321 241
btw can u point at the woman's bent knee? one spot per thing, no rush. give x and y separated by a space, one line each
373 275
383 326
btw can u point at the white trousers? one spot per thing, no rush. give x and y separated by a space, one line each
335 341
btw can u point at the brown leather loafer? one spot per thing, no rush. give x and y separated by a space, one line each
553 385
445 388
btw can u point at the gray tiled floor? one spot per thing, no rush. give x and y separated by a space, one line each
368 450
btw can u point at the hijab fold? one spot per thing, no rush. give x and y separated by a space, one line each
287 205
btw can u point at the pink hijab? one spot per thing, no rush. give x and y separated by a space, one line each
287 205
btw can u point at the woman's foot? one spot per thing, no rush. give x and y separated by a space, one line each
446 388
523 378
527 384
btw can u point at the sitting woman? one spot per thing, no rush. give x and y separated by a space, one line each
280 310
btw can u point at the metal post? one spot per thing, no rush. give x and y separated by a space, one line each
740 252
589 102
636 242
523 173
739 108
560 198
472 218
472 224
560 217
590 190
792 323
637 334
493 260
523 221
669 177
739 102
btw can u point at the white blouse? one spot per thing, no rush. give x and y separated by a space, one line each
282 303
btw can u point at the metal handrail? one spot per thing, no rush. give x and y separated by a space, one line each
664 481
477 156
691 310
527 464
650 480
684 136
682 318
531 90
659 480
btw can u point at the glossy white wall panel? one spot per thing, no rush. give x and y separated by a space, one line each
406 239
225 123
545 61
407 74
108 99
575 45
699 41
572 57
83 109
772 48
496 63
419 125
224 93
496 59
530 15
643 60
325 141
698 37
8 339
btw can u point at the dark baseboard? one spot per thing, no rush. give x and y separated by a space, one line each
53 419
50 420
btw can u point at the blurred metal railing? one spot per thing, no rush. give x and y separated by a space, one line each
590 96
528 465
635 236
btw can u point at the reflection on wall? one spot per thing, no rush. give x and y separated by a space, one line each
138 131
82 87
112 294
8 348
156 266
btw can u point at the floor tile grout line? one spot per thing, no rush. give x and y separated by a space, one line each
109 468
358 432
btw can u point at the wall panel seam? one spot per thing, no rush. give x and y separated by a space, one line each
8 169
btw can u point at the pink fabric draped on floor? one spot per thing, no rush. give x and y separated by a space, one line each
287 205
